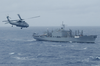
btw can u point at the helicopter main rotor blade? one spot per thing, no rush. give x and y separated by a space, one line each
34 17
5 21
20 17
10 20
13 20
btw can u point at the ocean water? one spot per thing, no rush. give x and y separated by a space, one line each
18 48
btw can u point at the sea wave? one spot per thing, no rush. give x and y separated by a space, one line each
24 58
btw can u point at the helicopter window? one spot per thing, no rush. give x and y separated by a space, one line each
19 21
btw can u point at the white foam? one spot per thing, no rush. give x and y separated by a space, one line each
56 45
98 58
72 45
17 58
17 39
91 57
95 65
70 41
11 53
19 54
86 60
85 48
31 40
24 58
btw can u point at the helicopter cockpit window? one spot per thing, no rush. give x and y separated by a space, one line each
19 21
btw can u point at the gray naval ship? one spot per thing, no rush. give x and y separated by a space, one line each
62 35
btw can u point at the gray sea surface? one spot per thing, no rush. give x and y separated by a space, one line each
18 48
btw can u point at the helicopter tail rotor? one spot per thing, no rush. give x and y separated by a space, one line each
6 21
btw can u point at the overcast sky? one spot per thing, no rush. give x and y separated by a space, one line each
52 12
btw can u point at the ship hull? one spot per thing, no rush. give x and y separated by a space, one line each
83 39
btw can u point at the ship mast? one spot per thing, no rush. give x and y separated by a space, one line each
63 26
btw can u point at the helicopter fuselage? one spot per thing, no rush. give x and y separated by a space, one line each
18 23
21 24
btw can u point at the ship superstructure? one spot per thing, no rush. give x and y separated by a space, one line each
62 35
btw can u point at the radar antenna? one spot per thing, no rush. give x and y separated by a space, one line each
63 25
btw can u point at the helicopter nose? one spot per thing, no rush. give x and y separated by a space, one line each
27 25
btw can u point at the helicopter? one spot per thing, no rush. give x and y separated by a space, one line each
19 23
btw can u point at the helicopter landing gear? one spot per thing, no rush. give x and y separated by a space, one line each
21 27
